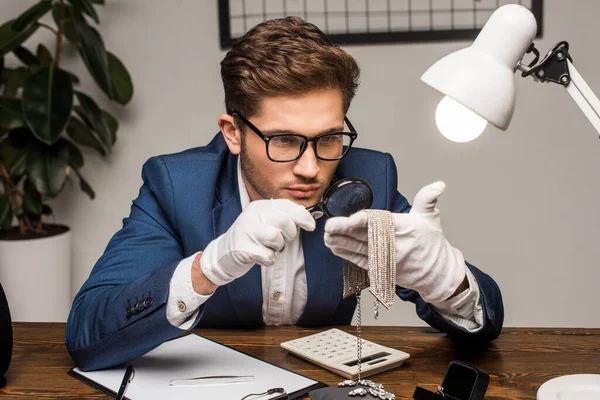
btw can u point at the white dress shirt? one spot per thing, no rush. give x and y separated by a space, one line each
285 290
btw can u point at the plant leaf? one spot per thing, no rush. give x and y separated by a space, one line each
3 76
15 160
92 115
81 134
85 7
47 103
10 39
113 125
4 208
21 138
74 78
75 156
122 87
46 210
16 79
31 203
44 57
10 114
26 57
85 187
63 13
31 15
94 56
47 168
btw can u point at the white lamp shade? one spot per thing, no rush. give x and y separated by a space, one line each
481 77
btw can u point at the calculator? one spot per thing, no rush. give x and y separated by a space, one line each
335 350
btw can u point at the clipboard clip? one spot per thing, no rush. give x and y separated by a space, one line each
212 380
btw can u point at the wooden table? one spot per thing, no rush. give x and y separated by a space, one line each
518 362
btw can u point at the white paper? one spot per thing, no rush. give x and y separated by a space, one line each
193 356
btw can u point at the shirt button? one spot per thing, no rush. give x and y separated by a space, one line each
181 306
276 295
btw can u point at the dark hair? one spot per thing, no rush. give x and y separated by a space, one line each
285 56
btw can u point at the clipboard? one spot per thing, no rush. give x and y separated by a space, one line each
193 356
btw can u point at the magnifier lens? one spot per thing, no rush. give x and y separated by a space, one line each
343 199
349 198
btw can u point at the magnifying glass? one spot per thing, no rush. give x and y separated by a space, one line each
344 198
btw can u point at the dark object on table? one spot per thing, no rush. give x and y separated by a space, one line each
462 382
6 338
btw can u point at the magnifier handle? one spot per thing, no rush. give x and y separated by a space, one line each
315 211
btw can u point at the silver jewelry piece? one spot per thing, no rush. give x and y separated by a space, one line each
358 392
381 275
371 384
381 394
347 382
381 281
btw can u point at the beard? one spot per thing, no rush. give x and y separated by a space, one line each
267 189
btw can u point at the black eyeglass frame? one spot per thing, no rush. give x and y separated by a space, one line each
266 138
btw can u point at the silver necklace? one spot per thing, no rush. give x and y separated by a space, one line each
381 281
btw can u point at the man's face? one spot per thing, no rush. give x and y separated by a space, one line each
305 180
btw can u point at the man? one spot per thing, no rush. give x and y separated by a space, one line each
219 236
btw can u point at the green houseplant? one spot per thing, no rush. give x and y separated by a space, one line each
45 118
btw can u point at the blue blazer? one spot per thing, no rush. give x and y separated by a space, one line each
187 200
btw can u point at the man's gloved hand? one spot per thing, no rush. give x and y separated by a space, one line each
426 262
256 237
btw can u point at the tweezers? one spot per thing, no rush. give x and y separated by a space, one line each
212 380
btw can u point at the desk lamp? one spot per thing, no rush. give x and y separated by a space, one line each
479 87
478 81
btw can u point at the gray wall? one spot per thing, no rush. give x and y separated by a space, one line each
520 204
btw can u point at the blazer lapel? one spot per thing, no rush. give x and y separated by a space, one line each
245 292
323 278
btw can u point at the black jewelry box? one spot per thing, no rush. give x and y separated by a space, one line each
462 382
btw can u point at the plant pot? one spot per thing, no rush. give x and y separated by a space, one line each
36 276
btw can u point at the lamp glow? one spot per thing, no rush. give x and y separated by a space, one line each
456 122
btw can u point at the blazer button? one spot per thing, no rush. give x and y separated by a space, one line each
128 313
181 307
148 302
134 310
140 306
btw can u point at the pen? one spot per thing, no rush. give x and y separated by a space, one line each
269 392
127 378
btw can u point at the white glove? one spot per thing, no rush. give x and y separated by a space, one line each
256 237
426 262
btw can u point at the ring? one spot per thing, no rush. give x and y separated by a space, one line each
440 391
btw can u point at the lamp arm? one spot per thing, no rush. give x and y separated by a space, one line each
557 67
584 97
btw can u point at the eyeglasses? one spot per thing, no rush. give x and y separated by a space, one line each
286 147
